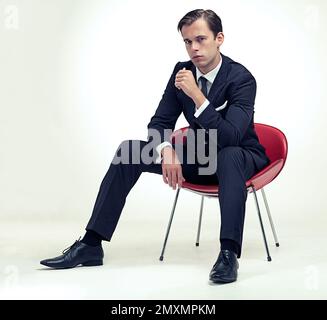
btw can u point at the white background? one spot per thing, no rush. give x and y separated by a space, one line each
78 77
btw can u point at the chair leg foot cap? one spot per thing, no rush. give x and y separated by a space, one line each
197 244
161 258
269 258
277 244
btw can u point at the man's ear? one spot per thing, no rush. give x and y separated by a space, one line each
220 39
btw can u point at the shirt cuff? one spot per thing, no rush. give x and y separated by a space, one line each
159 148
201 108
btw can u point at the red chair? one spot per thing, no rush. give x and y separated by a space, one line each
275 144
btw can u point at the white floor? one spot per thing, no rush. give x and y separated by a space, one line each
132 269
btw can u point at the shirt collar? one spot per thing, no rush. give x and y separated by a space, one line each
211 75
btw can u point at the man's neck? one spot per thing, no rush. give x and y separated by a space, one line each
212 65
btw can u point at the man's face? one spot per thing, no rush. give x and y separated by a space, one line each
201 45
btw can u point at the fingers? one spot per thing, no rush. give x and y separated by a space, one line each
184 69
168 177
164 174
179 81
170 174
173 176
182 73
171 169
180 178
181 77
174 179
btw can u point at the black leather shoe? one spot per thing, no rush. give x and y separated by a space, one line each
225 268
77 254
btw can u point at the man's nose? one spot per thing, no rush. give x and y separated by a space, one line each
195 46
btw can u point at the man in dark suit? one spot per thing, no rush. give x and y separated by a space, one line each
216 96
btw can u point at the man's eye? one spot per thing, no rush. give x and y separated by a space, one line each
201 39
187 42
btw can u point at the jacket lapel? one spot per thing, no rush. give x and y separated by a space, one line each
220 80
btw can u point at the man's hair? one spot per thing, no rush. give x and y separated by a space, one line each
214 22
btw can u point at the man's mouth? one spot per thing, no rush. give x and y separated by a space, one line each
197 57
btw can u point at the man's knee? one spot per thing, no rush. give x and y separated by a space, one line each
133 152
128 145
125 152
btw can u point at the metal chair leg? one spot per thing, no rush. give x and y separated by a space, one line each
169 225
270 218
261 224
200 221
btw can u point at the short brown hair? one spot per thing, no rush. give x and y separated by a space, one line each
214 22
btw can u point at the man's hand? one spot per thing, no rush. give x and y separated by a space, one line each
171 168
185 81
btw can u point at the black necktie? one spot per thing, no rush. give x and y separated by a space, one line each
204 86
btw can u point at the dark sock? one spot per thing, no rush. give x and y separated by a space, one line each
92 238
228 244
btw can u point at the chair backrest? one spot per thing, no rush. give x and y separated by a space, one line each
270 137
273 140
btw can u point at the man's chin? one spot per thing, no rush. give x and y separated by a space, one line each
199 64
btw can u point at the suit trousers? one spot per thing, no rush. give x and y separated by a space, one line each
234 166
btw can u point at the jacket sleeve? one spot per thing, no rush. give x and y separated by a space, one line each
231 129
168 111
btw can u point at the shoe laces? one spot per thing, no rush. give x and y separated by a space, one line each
226 257
72 246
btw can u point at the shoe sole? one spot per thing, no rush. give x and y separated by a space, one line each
91 263
220 280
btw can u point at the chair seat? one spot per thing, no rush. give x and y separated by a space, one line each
258 181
